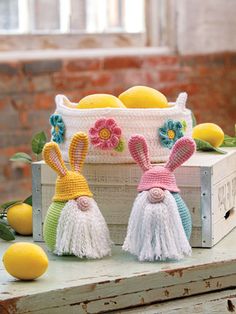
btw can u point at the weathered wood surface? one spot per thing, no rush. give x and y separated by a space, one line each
207 182
218 303
76 286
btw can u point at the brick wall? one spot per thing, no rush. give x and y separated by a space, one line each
28 88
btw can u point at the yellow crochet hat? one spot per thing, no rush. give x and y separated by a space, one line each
69 184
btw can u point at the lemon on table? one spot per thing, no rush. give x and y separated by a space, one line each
19 217
25 261
209 132
143 97
100 101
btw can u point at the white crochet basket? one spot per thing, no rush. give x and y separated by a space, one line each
130 121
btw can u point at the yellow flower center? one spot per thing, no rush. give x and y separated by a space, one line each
104 134
171 134
56 129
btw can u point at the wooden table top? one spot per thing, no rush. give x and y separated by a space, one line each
90 286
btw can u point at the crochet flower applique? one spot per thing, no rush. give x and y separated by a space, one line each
106 135
58 128
170 132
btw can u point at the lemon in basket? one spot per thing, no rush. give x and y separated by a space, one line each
25 261
143 97
100 101
209 132
19 217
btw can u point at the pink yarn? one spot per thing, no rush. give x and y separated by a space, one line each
156 195
160 176
105 134
83 203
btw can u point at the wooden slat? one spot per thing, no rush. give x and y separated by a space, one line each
220 302
118 282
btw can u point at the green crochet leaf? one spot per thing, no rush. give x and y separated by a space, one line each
120 147
6 233
21 157
38 142
205 146
229 141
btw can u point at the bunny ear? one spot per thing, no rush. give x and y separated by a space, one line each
139 151
53 157
181 151
78 151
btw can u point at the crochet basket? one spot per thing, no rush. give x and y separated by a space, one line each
129 122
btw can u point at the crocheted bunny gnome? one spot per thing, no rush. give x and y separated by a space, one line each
160 223
74 224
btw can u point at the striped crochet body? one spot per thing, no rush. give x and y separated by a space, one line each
184 214
51 223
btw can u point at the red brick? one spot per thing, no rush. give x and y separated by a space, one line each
123 62
42 66
151 78
13 84
22 102
16 171
153 61
41 83
9 69
101 78
63 82
44 101
168 76
85 64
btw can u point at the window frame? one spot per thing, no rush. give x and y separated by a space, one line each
160 31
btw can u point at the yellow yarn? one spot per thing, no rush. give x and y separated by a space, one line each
69 184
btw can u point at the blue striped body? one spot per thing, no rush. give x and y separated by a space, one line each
184 214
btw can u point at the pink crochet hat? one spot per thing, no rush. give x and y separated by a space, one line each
160 176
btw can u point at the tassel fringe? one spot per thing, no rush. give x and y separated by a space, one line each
82 233
155 231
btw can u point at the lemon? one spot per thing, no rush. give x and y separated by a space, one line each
209 132
143 97
99 101
19 217
25 261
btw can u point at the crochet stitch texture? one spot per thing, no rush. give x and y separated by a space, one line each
69 184
160 223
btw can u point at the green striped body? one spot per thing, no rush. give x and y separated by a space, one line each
184 214
50 224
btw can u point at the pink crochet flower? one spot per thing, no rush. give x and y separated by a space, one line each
105 134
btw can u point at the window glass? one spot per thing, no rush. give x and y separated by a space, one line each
9 19
45 15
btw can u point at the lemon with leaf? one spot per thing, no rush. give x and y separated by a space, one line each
210 133
20 218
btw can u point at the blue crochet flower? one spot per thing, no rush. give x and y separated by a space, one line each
58 128
170 133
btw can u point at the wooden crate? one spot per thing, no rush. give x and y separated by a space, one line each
207 182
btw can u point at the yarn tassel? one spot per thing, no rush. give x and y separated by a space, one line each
83 233
155 231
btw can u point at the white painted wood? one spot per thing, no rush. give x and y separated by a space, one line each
118 281
207 182
206 26
217 303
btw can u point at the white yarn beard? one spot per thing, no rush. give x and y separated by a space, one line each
82 233
155 231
